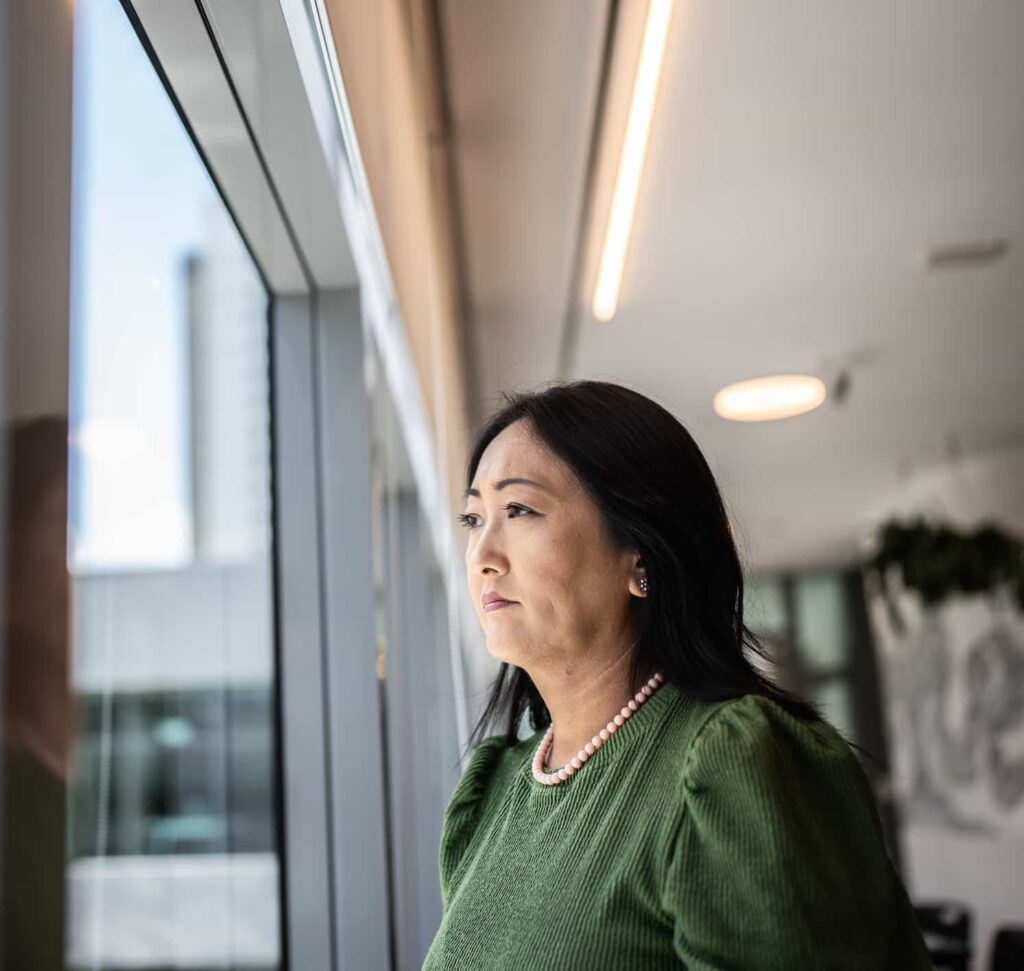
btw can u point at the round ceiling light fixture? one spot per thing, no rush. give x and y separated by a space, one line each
770 398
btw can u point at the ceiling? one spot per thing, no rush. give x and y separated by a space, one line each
802 155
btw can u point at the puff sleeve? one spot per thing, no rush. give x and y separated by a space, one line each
775 858
462 811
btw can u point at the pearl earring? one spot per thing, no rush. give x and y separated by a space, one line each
643 585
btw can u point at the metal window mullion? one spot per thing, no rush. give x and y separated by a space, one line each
304 827
362 912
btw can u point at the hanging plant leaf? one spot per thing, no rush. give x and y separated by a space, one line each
940 562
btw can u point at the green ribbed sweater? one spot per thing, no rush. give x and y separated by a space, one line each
726 835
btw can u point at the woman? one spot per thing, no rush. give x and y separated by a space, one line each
672 807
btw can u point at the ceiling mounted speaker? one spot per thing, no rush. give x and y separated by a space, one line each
957 255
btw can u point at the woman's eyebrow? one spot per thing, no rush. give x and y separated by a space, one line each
501 483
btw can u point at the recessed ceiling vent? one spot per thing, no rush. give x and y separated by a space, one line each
953 256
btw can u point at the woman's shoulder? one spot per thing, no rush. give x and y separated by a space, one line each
487 764
483 764
753 760
776 814
752 765
490 761
737 739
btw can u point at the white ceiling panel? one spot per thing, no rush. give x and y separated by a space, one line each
522 84
802 156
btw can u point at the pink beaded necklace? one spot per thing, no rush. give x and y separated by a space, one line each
560 775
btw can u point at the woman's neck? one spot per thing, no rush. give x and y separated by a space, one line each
583 707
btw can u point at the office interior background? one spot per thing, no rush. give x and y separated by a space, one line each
265 268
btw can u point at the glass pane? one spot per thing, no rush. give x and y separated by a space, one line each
835 701
821 631
764 607
172 808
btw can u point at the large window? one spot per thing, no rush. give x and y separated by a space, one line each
172 806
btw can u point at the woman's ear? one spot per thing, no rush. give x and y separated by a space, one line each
638 582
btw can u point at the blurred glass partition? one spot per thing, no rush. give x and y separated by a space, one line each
173 848
766 613
804 619
823 636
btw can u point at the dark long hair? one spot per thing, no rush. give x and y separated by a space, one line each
657 495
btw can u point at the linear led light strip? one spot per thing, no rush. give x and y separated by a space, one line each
634 147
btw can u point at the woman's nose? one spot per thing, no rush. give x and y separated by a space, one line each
488 552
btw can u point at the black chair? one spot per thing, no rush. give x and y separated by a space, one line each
1008 950
946 928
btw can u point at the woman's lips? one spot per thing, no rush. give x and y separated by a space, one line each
497 605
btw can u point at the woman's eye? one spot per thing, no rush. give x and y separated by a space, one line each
466 518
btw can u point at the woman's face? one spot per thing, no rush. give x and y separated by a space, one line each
542 545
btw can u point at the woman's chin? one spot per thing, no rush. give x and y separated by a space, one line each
502 649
